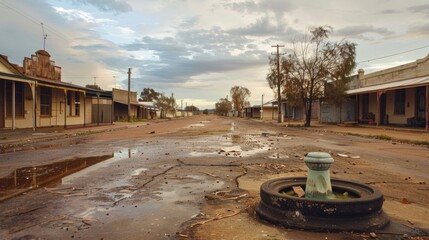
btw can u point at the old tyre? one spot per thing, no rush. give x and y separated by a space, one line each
362 213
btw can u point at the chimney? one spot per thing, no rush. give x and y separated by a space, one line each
361 72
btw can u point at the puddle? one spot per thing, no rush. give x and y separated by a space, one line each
138 171
157 217
196 125
232 126
202 154
231 145
28 178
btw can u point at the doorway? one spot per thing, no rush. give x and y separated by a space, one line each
420 104
2 96
383 117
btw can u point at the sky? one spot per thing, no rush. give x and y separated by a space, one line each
199 49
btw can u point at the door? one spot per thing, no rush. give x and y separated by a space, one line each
2 96
383 117
420 103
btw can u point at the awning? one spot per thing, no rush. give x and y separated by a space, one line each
408 83
139 104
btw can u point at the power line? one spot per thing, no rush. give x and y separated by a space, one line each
33 20
395 54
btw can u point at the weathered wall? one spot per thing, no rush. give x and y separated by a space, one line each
331 113
415 69
122 95
41 66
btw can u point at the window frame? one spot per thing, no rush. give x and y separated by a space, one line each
19 99
399 103
45 101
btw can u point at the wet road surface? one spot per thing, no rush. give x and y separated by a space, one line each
200 180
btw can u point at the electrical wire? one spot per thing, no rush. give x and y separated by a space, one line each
395 54
35 21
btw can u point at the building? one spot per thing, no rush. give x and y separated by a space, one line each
255 112
34 96
346 112
294 113
394 96
138 110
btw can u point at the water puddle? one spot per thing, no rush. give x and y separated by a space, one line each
196 125
233 145
28 178
157 216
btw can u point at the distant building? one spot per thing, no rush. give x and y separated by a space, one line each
34 96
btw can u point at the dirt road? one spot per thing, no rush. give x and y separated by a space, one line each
195 178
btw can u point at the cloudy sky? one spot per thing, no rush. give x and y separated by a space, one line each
199 49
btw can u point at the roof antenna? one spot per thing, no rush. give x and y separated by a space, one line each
44 36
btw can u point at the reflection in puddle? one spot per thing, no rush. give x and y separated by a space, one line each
196 125
233 145
27 178
139 171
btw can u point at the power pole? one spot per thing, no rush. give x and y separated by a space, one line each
262 108
181 106
279 98
129 94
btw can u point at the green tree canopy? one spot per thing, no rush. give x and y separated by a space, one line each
166 104
239 97
223 106
149 95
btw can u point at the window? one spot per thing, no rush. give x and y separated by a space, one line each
45 101
19 99
399 102
77 104
73 103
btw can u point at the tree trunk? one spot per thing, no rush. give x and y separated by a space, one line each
308 116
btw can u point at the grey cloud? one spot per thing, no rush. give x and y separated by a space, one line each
424 9
421 29
390 11
359 31
117 6
279 7
264 28
195 52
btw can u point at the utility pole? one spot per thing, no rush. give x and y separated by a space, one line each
262 108
279 97
129 94
181 106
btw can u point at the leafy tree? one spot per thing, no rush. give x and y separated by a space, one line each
166 104
314 62
191 108
206 111
239 97
223 106
149 95
93 86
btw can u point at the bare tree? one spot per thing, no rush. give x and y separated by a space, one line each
239 97
314 62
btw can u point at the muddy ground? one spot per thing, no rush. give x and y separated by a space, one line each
195 178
